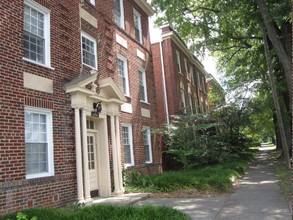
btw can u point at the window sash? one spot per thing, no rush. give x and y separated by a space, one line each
178 61
127 145
36 41
142 85
183 103
137 26
147 145
38 143
123 75
89 51
118 13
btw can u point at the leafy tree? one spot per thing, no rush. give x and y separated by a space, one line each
233 32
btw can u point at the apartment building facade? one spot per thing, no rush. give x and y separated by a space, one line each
180 78
77 100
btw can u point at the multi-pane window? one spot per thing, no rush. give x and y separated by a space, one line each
119 13
123 75
186 68
91 152
203 81
196 104
147 145
193 73
142 85
178 61
38 143
36 33
137 26
127 144
183 103
190 103
190 73
89 50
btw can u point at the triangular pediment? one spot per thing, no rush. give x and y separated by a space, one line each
110 91
79 83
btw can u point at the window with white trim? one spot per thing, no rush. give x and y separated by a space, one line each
186 68
203 81
137 26
127 144
38 143
147 144
36 33
89 50
190 73
196 104
178 61
119 13
123 74
193 73
190 103
142 85
183 103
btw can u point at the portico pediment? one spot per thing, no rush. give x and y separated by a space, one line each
108 90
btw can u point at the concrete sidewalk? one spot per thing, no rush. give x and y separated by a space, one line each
257 197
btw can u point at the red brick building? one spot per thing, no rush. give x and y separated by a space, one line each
77 100
179 76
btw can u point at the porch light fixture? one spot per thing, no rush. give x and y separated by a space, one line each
97 106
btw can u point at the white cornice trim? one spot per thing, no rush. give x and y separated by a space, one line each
145 7
171 35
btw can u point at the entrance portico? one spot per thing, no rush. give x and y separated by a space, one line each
91 142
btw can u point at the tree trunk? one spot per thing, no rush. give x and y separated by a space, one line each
276 101
279 47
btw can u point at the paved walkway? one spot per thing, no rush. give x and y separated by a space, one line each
257 197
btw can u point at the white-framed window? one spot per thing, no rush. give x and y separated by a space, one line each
93 2
146 132
203 81
196 104
178 61
190 103
137 26
119 13
186 68
123 74
38 143
89 50
190 73
193 74
36 33
142 85
127 144
183 103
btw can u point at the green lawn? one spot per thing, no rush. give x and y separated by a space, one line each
102 212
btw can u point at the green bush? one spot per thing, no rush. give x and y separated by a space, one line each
217 177
103 212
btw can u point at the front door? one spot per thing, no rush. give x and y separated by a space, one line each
92 160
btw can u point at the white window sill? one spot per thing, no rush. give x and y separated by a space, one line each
144 102
94 68
39 64
34 176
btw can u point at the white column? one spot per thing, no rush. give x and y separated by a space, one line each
85 156
114 155
118 144
78 156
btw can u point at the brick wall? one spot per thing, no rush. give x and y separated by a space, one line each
17 192
134 62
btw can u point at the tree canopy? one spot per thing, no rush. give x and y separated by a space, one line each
234 32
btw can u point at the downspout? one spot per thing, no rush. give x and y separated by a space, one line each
164 83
